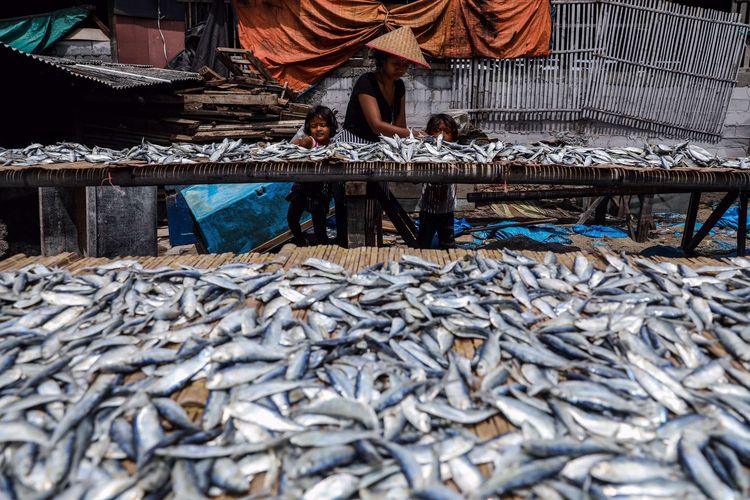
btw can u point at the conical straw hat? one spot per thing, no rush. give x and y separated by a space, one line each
401 43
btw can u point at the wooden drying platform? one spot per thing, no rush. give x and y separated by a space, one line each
194 396
362 221
511 172
353 260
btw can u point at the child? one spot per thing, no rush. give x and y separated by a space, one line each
312 197
438 200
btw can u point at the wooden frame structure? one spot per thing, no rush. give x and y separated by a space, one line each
652 65
363 194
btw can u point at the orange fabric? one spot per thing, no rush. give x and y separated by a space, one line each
299 41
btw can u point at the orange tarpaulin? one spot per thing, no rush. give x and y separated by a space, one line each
299 41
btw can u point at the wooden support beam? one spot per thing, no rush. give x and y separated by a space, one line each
692 214
397 215
742 225
645 217
722 207
360 216
585 216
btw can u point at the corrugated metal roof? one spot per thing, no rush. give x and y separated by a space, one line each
114 76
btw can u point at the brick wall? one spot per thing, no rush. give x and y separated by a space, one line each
427 92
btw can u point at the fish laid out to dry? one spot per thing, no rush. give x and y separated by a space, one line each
395 149
624 382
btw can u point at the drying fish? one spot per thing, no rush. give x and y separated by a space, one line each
643 392
395 149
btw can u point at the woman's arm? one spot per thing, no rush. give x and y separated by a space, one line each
372 115
401 120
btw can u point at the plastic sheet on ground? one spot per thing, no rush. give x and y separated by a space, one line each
599 231
730 219
543 233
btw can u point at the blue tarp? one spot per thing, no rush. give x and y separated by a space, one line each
599 231
543 233
35 34
730 219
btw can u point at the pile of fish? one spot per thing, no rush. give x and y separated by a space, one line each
623 382
396 149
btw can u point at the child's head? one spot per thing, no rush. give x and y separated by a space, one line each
321 124
443 124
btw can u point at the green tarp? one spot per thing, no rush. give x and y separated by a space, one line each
34 34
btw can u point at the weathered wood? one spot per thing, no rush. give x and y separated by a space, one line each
359 216
600 215
742 225
586 215
227 98
57 217
720 209
645 217
396 214
690 217
120 221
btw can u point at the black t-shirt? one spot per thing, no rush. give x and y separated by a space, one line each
355 121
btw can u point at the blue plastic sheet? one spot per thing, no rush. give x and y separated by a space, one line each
730 219
698 225
543 233
599 231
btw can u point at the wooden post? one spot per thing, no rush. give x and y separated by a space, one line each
98 221
120 221
585 216
397 215
692 214
600 215
645 217
722 207
360 216
742 225
58 224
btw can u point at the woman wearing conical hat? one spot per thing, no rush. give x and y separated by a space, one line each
378 102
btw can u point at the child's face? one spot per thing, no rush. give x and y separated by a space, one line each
443 128
319 130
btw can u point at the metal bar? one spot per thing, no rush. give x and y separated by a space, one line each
692 214
742 225
722 207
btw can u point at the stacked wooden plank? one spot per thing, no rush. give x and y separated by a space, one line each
240 107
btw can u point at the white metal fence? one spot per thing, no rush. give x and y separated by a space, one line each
648 64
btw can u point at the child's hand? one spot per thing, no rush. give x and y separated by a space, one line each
420 133
305 142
